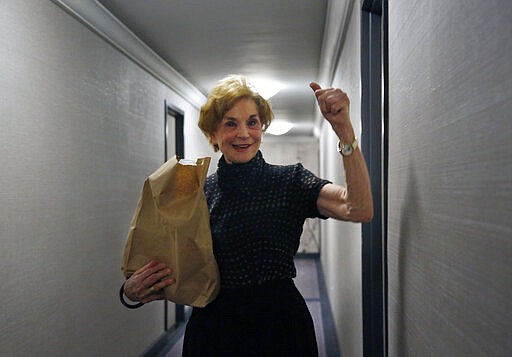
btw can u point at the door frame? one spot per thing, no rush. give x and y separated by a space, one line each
374 122
178 115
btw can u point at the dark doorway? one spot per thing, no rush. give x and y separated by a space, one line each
174 144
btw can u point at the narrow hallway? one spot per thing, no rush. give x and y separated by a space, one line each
311 284
89 111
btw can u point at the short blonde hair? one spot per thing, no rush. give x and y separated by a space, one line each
223 97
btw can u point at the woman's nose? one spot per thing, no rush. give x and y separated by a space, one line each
243 132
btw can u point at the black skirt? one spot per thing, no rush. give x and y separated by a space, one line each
271 319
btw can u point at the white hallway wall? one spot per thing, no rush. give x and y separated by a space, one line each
450 174
341 241
82 126
450 170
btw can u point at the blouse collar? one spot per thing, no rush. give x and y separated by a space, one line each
245 171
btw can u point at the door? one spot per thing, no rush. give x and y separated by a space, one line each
174 145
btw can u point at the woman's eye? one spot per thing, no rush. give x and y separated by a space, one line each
253 122
230 124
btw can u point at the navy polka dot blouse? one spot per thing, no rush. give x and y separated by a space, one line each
257 212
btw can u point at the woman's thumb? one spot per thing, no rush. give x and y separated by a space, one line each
315 86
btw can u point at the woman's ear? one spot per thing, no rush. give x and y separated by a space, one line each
213 141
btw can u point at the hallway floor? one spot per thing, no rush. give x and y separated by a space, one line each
310 283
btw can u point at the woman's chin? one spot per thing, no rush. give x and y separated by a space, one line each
239 156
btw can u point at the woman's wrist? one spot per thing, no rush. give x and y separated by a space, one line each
125 303
345 133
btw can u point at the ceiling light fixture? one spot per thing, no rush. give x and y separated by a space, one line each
265 87
279 127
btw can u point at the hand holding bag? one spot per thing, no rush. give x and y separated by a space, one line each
171 224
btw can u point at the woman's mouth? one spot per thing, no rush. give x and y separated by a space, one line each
241 147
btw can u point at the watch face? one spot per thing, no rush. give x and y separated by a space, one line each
346 149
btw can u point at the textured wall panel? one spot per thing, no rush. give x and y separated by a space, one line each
81 127
341 241
450 174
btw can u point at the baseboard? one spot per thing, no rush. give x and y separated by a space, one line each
307 256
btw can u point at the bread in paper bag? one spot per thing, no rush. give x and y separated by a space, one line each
171 224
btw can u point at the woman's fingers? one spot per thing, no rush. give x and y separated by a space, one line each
328 99
157 275
333 103
148 281
153 297
148 269
155 291
162 284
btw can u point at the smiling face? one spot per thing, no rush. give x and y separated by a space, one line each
238 135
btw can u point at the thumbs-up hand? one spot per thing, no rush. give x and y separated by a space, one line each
334 105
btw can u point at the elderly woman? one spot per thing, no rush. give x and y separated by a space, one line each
257 212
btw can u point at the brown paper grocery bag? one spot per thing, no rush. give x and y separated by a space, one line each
171 224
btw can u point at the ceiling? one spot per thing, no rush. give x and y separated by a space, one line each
206 40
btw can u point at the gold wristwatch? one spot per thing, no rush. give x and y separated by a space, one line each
347 149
